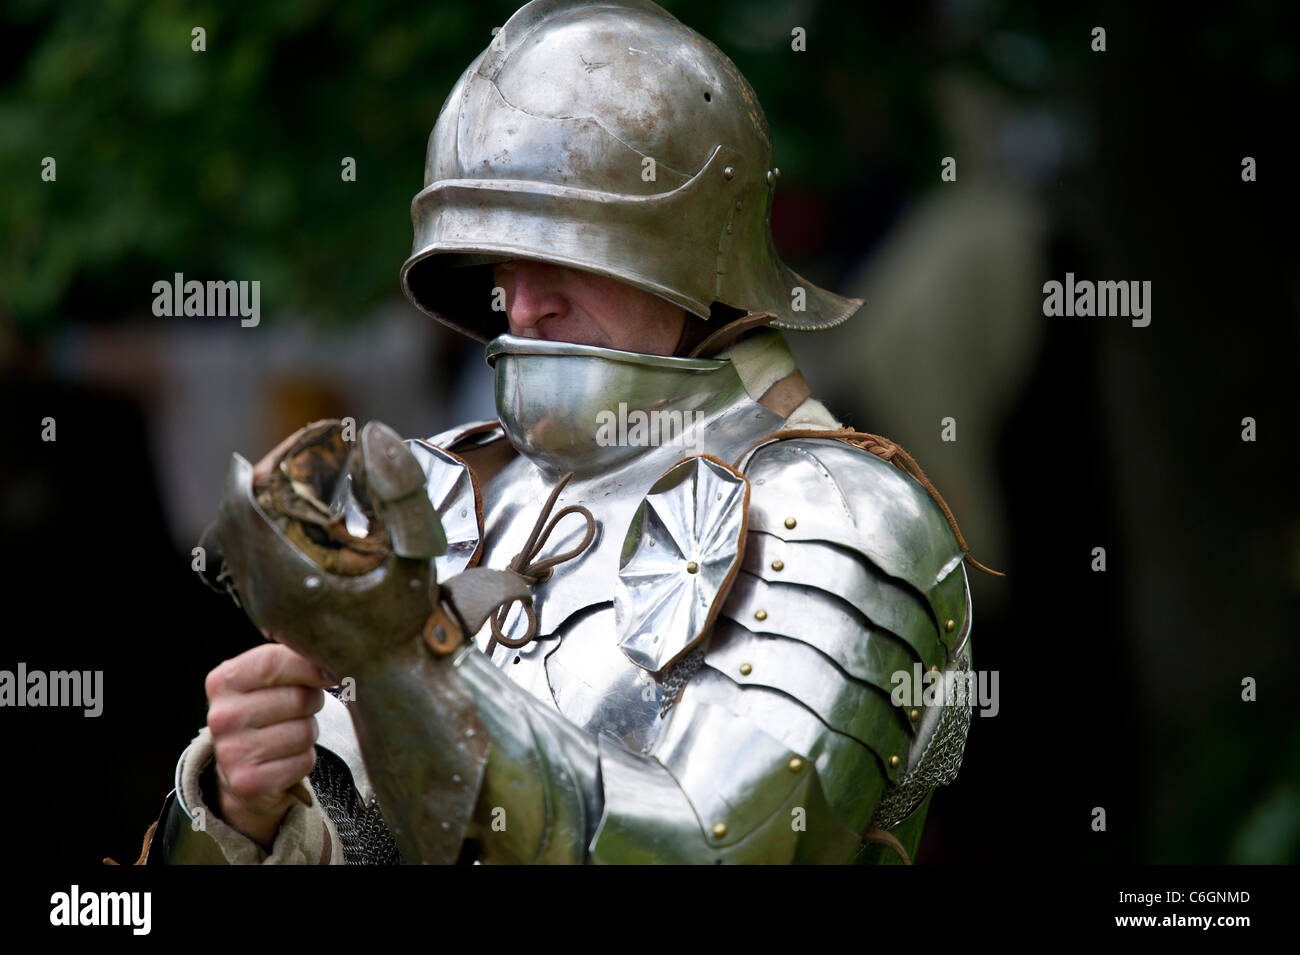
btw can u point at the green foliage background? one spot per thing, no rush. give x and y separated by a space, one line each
227 162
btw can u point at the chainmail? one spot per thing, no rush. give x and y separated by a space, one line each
678 675
939 762
366 840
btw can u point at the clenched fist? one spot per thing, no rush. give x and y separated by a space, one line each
261 707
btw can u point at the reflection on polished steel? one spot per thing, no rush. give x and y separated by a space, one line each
951 601
746 796
339 736
823 621
848 496
596 687
725 785
540 149
850 773
541 768
679 556
936 754
555 398
450 487
345 502
862 711
960 641
534 406
835 605
645 817
853 579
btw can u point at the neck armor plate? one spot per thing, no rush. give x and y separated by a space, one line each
590 410
618 420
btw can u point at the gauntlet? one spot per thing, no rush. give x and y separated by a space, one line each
331 549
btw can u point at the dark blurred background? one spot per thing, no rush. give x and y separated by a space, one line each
1119 690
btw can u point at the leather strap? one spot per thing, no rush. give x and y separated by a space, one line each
886 450
328 845
144 849
881 837
786 394
728 333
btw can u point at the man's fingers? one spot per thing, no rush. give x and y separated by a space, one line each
271 664
268 744
260 714
261 708
263 785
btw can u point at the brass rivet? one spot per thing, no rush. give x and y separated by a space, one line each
728 172
951 625
760 614
790 522
746 669
795 764
934 668
692 567
894 761
719 830
915 715
778 565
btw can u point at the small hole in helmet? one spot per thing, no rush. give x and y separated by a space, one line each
708 97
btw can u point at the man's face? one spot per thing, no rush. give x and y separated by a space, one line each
557 303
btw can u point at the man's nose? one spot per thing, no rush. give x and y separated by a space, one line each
536 294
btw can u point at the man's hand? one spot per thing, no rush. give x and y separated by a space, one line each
260 714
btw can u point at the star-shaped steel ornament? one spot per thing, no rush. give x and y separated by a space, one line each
680 556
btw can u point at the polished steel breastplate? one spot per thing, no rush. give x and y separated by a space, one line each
602 414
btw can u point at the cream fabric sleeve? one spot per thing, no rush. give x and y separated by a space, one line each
306 836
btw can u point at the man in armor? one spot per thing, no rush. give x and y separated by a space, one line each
653 613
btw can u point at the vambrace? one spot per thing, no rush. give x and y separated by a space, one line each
540 795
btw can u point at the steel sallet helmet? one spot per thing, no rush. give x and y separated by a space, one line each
609 137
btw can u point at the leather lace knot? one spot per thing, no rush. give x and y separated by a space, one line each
535 571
